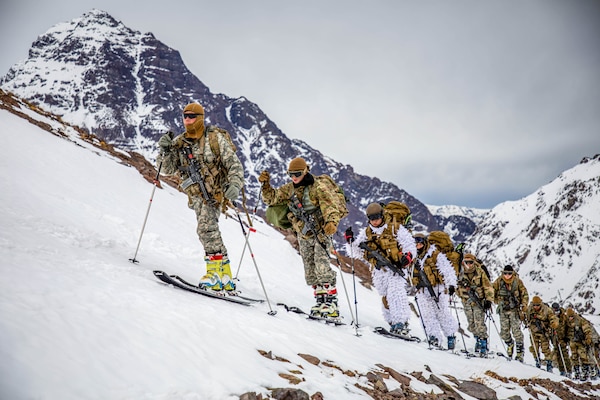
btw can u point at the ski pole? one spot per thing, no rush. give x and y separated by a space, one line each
155 183
459 327
557 345
271 312
354 285
489 313
421 318
342 278
251 228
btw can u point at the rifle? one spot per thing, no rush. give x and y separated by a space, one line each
309 219
193 172
476 299
382 261
424 282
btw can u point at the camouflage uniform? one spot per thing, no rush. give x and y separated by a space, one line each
512 297
474 289
561 341
580 335
231 172
317 198
222 173
542 324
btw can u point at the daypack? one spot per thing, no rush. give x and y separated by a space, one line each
212 132
444 244
277 214
397 213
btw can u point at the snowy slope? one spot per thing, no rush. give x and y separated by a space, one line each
79 321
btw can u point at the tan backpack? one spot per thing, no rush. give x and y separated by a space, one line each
444 244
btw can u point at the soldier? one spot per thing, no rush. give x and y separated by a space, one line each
476 292
390 249
211 175
580 335
511 297
542 322
314 214
561 342
435 279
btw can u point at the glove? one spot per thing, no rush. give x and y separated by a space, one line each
487 304
232 192
405 259
451 290
349 235
588 341
165 142
330 228
264 178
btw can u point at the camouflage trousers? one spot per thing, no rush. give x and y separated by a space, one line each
476 318
208 226
317 264
580 354
510 323
561 352
540 344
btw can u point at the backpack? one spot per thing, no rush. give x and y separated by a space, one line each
444 244
397 213
212 131
277 214
460 250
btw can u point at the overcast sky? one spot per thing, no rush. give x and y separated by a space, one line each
457 102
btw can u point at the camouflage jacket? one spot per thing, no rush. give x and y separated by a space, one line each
475 284
562 332
580 330
217 172
317 198
542 321
510 296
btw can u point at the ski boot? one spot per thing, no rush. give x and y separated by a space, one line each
477 344
451 342
510 347
483 347
549 365
593 373
537 363
399 328
519 356
585 373
329 309
319 293
576 372
212 279
433 341
225 274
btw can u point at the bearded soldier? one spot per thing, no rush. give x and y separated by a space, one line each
211 175
511 297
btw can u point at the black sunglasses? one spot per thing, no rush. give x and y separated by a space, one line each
373 217
190 116
469 262
295 174
507 273
419 239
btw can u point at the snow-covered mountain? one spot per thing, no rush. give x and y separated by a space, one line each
78 321
128 89
458 222
551 237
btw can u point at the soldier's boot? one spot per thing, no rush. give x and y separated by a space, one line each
483 347
549 365
593 372
519 356
585 372
477 344
510 347
451 342
212 278
537 363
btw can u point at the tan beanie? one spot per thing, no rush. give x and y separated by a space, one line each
536 300
298 164
469 256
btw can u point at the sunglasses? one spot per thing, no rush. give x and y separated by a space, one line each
190 116
419 240
373 217
469 262
507 273
295 174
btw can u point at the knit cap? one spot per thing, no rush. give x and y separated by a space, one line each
536 300
298 164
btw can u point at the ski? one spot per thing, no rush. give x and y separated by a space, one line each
235 293
294 309
178 283
384 332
